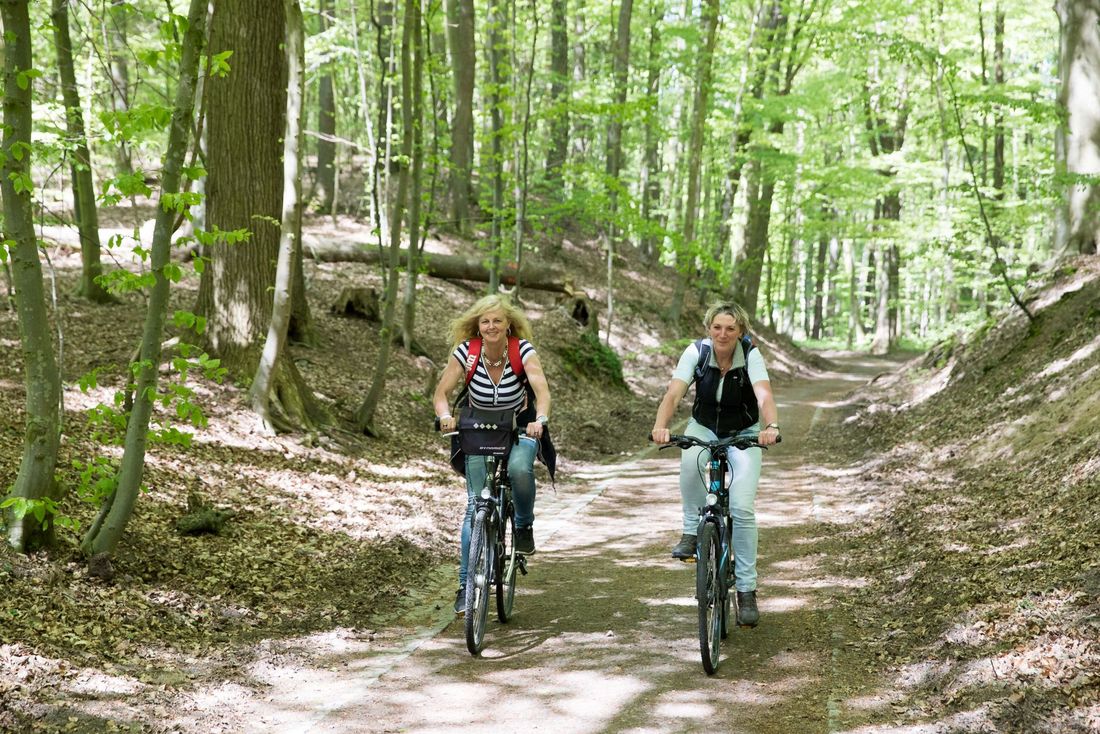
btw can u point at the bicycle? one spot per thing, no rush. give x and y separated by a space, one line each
714 561
493 559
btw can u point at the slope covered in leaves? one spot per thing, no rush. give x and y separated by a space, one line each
979 566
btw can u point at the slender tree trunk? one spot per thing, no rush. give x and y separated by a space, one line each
619 69
558 149
1079 97
84 204
463 60
326 126
495 23
700 109
408 320
118 20
365 415
772 12
102 539
42 436
651 162
290 234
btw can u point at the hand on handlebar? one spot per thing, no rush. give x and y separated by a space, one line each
768 437
659 436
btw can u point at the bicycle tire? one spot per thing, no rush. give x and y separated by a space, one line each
478 577
708 587
507 563
728 587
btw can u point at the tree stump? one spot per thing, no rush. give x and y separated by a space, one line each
360 303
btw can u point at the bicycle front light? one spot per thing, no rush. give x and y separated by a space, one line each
712 499
485 493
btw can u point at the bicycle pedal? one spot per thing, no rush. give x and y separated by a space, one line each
688 560
523 565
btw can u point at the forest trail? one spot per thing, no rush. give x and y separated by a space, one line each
604 634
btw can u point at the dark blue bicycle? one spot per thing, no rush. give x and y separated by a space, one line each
714 564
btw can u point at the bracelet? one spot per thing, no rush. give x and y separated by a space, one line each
542 419
445 416
772 425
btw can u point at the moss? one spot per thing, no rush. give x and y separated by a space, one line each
592 358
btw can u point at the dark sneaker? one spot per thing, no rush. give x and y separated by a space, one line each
685 548
460 601
525 541
747 613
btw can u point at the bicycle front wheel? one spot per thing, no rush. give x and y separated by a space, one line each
478 577
507 564
708 593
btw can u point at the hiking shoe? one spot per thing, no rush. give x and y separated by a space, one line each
525 541
747 613
460 601
685 548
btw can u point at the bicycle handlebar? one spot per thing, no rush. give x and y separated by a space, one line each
686 442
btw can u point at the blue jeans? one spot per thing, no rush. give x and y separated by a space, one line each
521 471
744 471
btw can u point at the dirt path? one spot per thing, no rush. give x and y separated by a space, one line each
604 637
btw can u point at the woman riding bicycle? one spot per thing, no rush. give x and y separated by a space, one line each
481 337
733 396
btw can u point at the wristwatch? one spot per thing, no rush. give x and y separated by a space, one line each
772 425
542 419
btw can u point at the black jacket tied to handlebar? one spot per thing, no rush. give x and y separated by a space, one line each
737 410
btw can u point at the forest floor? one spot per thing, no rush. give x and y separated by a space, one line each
929 540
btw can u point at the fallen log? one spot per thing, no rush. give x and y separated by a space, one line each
448 267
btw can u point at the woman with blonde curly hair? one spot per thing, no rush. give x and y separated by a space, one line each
482 338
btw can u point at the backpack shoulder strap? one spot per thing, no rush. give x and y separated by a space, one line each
747 344
515 360
472 357
703 345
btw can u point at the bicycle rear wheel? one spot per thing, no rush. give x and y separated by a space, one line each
728 587
708 590
507 564
478 577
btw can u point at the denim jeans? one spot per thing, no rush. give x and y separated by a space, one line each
521 471
744 471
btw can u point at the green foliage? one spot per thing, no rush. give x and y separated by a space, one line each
592 358
44 510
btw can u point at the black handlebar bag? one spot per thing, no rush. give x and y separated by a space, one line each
486 432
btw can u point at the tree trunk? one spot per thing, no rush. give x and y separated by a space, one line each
408 320
495 23
118 19
558 149
1079 98
326 126
102 539
619 69
463 62
700 109
276 416
35 482
365 415
651 162
244 191
761 192
84 204
532 274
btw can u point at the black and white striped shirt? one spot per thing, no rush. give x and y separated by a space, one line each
509 393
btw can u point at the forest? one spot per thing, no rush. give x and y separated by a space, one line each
235 233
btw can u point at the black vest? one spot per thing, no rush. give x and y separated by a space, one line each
738 408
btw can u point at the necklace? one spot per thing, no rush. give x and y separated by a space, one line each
490 363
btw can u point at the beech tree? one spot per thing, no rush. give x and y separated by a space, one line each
35 493
103 536
1079 98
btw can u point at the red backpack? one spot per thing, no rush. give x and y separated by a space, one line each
513 359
